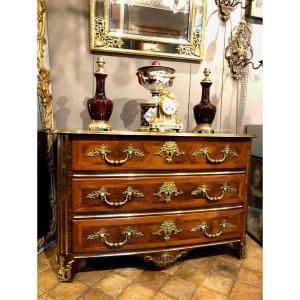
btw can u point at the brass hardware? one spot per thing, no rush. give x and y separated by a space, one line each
102 234
102 151
227 152
158 174
169 149
168 189
102 193
168 228
227 6
100 64
164 134
154 213
203 189
204 226
64 271
239 51
96 125
165 258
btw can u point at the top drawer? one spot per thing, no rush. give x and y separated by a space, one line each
158 153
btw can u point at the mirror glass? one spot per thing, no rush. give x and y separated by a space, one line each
150 18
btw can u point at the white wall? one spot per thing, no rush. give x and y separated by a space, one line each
72 67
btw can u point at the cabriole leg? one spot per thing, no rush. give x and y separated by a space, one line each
240 248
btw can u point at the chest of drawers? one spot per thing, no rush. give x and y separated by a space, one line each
152 195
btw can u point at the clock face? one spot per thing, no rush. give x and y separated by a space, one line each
169 106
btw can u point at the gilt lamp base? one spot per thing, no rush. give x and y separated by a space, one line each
99 126
203 128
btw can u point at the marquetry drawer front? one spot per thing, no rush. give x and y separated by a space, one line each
149 232
156 193
159 154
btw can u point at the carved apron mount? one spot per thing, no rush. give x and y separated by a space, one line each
165 259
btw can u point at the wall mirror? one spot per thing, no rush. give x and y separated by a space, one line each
165 28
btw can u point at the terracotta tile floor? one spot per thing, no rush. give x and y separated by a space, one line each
212 273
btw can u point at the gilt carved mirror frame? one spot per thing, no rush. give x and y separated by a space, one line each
133 34
45 99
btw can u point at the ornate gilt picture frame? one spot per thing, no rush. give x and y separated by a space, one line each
256 9
164 37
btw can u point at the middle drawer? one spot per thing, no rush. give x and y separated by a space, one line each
156 193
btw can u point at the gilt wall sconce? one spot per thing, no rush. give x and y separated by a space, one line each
239 51
227 6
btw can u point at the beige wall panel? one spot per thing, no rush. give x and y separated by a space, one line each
71 63
254 104
230 91
123 89
72 67
213 59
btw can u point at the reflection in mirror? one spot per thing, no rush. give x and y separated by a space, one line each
160 18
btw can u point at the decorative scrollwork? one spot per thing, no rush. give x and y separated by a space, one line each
45 98
102 151
227 152
102 234
167 228
193 49
168 189
239 51
202 227
102 40
169 149
64 270
227 6
203 189
165 259
103 193
44 82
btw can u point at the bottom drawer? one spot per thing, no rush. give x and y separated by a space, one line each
150 232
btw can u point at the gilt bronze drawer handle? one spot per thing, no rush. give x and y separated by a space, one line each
167 228
103 193
169 149
203 189
102 151
102 234
204 226
227 152
168 189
